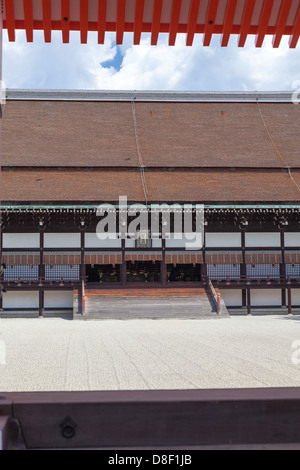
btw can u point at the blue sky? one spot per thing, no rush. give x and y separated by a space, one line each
146 67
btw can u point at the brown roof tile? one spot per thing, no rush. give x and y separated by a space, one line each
58 133
164 186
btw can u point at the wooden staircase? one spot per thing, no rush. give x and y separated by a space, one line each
150 303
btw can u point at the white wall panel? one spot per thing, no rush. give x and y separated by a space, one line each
21 240
295 297
58 299
62 240
223 240
265 297
262 239
232 297
92 241
189 243
21 299
292 239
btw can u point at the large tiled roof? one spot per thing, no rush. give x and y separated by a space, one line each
193 147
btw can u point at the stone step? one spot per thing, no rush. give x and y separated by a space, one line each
104 304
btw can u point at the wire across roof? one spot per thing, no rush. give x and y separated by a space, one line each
192 17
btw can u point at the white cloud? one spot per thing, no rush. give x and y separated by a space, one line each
146 67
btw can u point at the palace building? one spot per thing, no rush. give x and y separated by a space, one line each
65 153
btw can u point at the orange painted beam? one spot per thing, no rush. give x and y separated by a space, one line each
102 8
121 9
10 19
210 21
281 22
246 21
228 21
65 20
192 22
264 22
138 21
295 31
174 21
155 28
84 20
28 19
47 24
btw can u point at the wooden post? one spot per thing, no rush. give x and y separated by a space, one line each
282 268
248 302
163 266
82 264
243 268
123 265
1 90
289 292
41 275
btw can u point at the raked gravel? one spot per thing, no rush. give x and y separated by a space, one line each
54 354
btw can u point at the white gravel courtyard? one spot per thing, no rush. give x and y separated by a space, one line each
54 354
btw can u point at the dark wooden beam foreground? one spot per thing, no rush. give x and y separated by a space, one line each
170 419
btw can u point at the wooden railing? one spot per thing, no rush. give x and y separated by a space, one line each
215 297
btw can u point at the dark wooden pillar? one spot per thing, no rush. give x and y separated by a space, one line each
248 301
1 275
282 268
163 266
243 268
41 275
123 265
289 295
82 263
203 265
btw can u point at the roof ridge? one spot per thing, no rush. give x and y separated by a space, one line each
152 96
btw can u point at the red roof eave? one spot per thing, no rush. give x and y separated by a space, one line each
277 18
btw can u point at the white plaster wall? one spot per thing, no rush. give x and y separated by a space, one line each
21 299
156 243
262 239
62 240
184 242
232 297
62 299
226 240
292 239
92 241
295 297
129 243
265 297
21 240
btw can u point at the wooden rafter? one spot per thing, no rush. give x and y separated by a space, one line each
102 7
121 9
282 20
10 19
295 31
264 22
228 22
192 22
174 21
138 21
84 20
65 20
47 24
210 21
155 29
28 19
246 21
